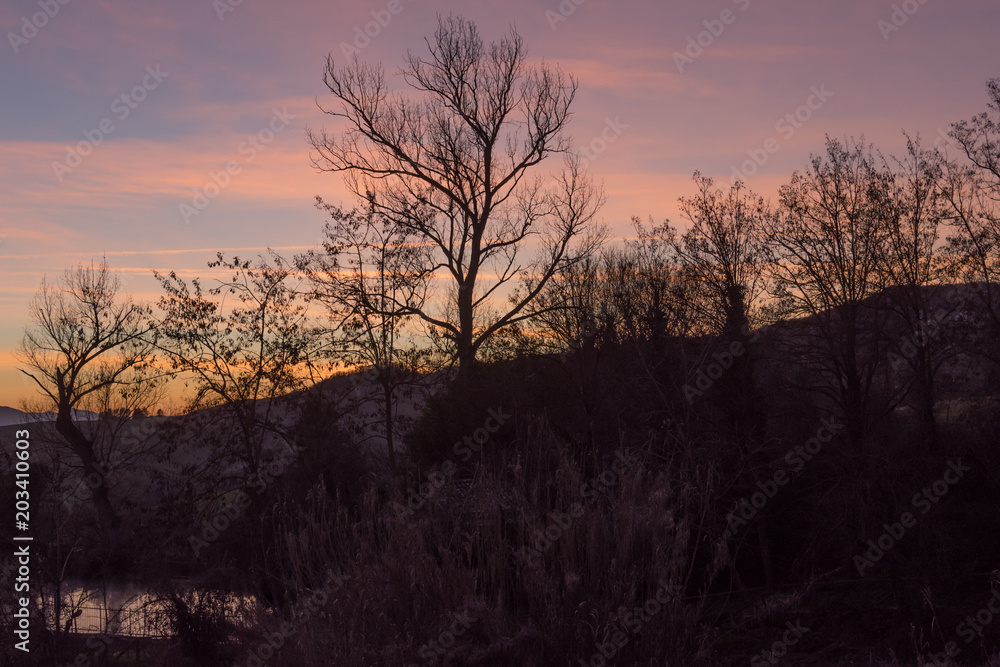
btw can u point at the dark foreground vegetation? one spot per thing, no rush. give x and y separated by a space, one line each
770 438
550 508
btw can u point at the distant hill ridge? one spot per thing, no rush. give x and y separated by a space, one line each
14 417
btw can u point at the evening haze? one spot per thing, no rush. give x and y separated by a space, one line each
118 116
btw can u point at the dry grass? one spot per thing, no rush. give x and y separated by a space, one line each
406 580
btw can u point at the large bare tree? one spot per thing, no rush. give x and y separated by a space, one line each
454 165
723 257
972 191
828 239
913 265
725 253
89 344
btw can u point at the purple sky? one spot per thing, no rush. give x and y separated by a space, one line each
223 75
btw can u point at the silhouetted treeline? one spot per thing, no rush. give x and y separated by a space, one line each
769 427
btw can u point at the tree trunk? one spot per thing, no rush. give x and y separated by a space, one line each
855 417
765 549
389 440
744 402
925 400
855 407
466 353
246 418
84 449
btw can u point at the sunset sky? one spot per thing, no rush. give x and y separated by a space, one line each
199 76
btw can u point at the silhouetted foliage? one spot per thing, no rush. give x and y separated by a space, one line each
462 184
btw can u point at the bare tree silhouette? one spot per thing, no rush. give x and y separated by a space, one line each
972 191
371 276
244 355
453 167
828 240
87 340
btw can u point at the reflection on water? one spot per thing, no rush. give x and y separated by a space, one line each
134 611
